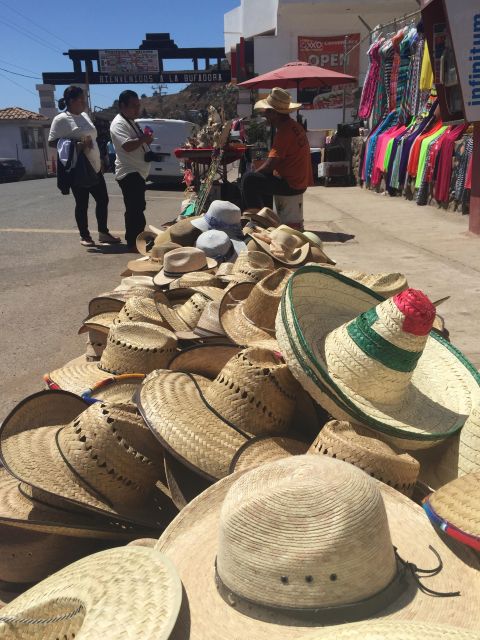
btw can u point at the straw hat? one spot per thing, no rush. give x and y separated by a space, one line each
132 282
208 325
182 232
30 556
96 343
196 279
316 245
184 317
278 100
135 309
132 347
104 460
217 245
253 394
263 449
265 218
455 509
115 390
380 368
184 484
286 248
181 261
247 311
380 630
131 592
250 266
152 263
386 284
358 446
310 532
104 304
145 241
223 216
204 360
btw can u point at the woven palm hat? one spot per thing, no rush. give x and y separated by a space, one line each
131 592
455 509
247 310
315 242
197 279
359 446
284 247
104 303
181 261
279 100
208 325
263 449
132 347
153 262
133 282
264 218
381 630
104 460
375 365
253 394
251 266
204 360
96 343
305 541
386 284
30 556
184 317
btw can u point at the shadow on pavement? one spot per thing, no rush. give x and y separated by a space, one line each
332 236
110 249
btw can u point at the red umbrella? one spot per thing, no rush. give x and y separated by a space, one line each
297 75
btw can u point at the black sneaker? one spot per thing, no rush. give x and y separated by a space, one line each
87 242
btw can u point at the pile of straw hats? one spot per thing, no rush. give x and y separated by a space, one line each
268 425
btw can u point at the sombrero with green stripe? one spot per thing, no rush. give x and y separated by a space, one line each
373 360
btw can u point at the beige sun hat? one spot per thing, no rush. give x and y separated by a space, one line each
253 394
379 366
132 347
133 282
383 630
197 279
131 592
104 460
455 509
104 304
96 343
205 360
263 449
153 262
284 247
386 284
278 100
250 266
184 317
264 218
359 446
248 311
307 541
135 309
313 240
181 261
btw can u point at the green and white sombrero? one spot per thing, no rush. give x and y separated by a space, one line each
373 360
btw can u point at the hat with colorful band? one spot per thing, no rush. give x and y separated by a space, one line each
375 362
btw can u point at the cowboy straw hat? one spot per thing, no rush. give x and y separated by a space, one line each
359 446
284 247
455 509
208 325
104 460
313 240
264 218
153 261
375 365
248 310
105 303
279 100
250 266
135 309
223 216
185 316
145 241
219 246
129 592
263 449
181 261
310 532
253 394
132 282
132 347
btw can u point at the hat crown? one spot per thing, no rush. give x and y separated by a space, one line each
184 260
386 341
305 532
255 391
224 213
192 309
182 232
279 98
140 309
215 244
260 308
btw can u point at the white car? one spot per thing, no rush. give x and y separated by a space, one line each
168 135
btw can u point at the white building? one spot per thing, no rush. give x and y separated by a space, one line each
275 26
23 136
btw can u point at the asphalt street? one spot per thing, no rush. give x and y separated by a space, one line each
48 277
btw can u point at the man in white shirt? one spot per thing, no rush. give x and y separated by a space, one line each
131 170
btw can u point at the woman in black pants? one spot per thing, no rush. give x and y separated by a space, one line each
74 124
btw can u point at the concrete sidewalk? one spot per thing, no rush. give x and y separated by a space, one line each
431 247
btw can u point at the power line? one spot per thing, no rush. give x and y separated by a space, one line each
28 34
17 66
20 74
18 85
34 23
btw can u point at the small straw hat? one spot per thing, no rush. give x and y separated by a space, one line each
131 592
248 311
263 449
386 284
284 247
132 347
104 460
153 262
306 541
184 317
278 100
251 266
181 261
264 218
455 509
377 365
359 446
253 394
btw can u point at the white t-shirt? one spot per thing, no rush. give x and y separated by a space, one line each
128 161
67 125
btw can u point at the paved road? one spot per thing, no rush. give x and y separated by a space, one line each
48 277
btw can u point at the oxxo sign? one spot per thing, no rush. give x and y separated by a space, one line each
464 19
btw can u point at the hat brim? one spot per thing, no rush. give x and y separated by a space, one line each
183 483
144 265
264 105
444 386
78 376
104 304
144 240
161 280
101 322
318 252
191 543
302 252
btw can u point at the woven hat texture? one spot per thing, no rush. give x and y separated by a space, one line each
102 304
312 239
251 266
208 324
283 246
359 446
204 360
380 630
263 449
279 100
386 284
196 279
316 517
182 317
254 394
377 365
132 592
265 218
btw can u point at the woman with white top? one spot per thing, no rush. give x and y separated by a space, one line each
74 124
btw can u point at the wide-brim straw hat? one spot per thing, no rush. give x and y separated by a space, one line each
185 316
248 310
265 218
279 100
250 266
196 279
145 241
254 505
180 262
153 261
296 256
46 441
204 360
432 402
455 509
105 303
313 240
359 446
263 449
135 309
383 630
132 282
386 284
131 592
208 325
183 483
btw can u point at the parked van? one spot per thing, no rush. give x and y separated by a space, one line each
167 136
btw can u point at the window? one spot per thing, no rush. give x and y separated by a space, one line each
32 137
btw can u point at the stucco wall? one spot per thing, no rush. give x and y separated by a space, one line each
11 147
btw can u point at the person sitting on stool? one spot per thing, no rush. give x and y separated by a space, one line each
288 168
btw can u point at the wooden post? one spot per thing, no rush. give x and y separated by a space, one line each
474 218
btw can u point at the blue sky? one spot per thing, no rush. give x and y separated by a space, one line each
34 35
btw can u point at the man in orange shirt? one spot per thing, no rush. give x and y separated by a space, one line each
288 168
